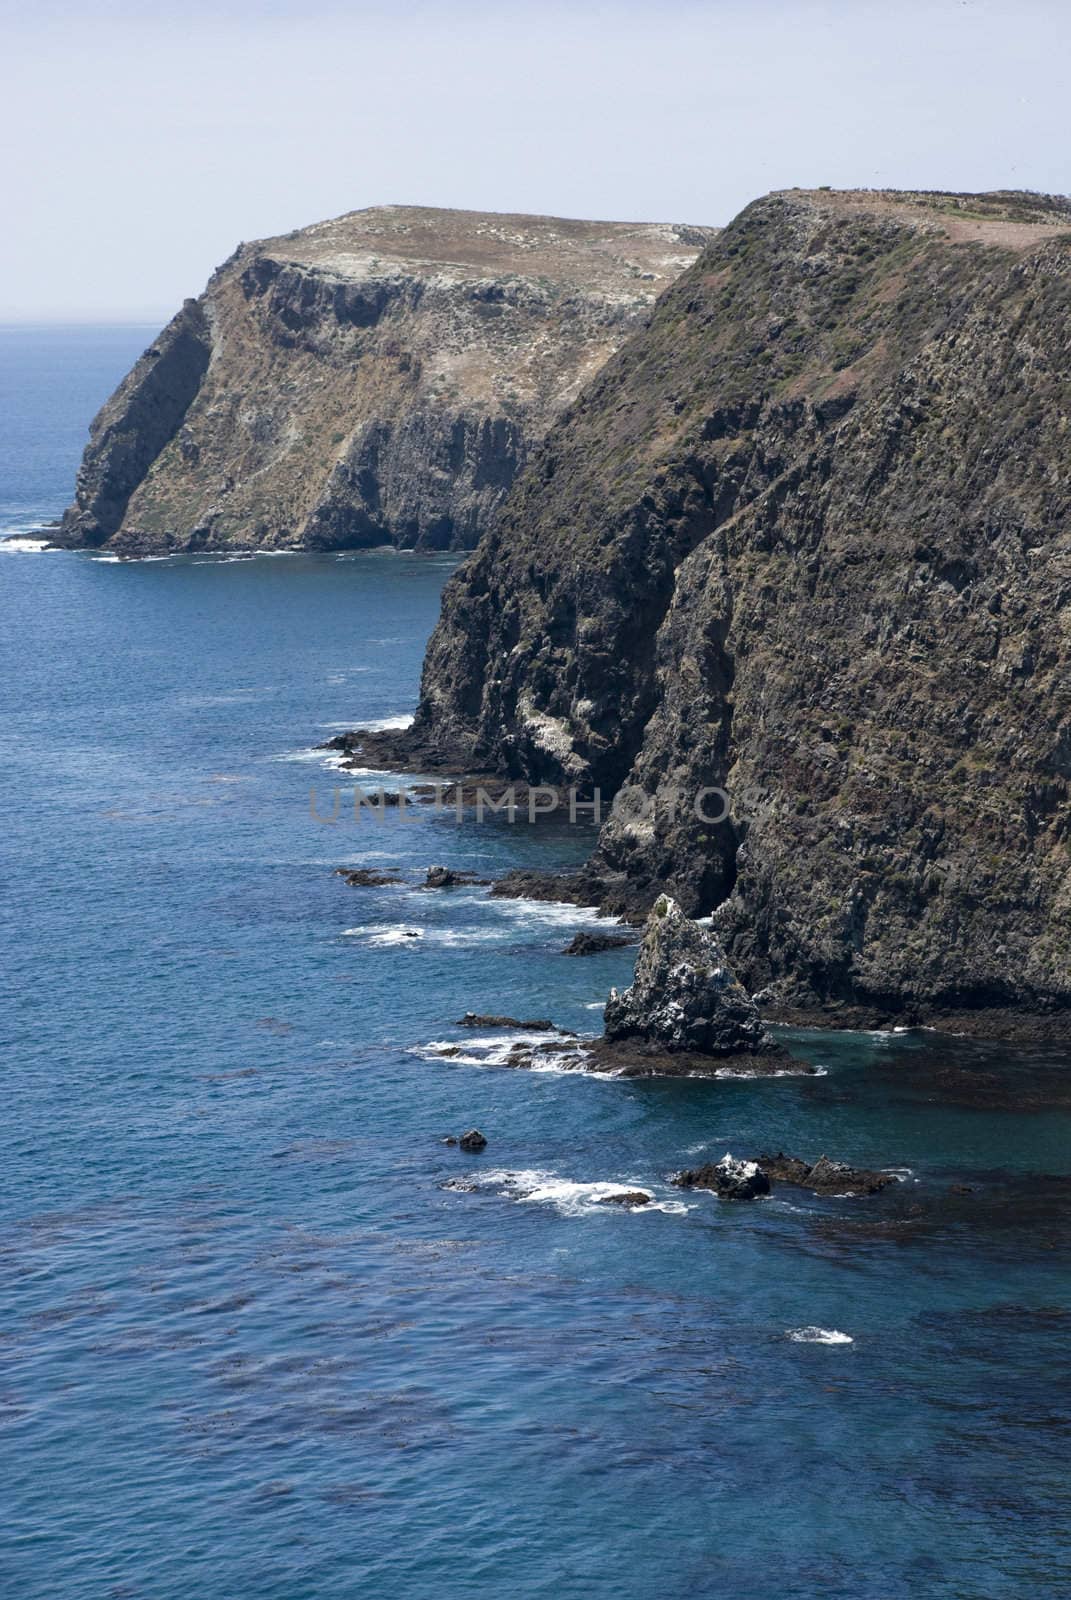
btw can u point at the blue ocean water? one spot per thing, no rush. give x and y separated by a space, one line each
249 1343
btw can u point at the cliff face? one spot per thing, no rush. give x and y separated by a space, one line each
376 379
808 538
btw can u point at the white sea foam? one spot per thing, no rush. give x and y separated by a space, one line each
492 1049
819 1336
551 913
496 1050
782 1072
331 760
573 1198
372 778
443 938
24 546
463 938
382 938
404 719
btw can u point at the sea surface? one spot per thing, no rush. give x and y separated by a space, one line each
253 1345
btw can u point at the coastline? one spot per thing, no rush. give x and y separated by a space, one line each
410 749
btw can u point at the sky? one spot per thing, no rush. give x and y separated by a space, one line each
142 143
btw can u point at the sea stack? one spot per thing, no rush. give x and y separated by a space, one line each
684 996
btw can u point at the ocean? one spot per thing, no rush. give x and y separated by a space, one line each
253 1343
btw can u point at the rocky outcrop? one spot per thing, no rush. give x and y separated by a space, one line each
439 877
734 1179
378 379
684 997
807 539
369 877
729 1178
477 1019
824 1176
593 944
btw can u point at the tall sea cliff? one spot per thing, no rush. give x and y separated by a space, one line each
377 379
807 538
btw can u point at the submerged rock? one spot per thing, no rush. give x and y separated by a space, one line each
472 1142
367 877
684 996
627 1197
476 1019
449 878
592 944
729 1178
824 1176
637 1058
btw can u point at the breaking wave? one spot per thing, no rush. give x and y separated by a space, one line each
819 1336
570 1197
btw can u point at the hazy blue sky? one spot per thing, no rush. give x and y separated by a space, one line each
143 143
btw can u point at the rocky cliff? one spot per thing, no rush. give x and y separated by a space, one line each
376 379
807 538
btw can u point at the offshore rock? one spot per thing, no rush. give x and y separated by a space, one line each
734 1179
593 944
477 1019
377 379
824 1176
684 996
730 1178
369 877
439 877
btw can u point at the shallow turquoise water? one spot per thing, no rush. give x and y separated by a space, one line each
249 1344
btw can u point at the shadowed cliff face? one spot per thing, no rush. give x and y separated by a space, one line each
376 379
808 537
137 424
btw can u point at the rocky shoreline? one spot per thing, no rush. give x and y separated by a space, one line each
819 436
614 895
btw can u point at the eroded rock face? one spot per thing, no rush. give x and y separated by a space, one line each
807 537
377 379
684 995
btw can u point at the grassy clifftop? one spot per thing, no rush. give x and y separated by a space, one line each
379 378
